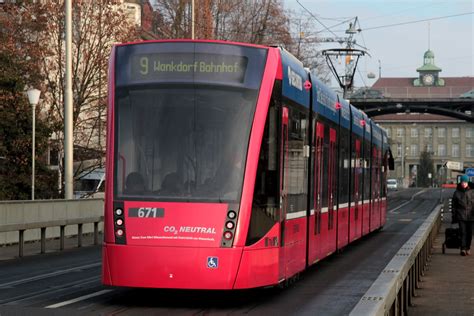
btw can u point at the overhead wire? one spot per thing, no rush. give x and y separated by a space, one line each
424 6
404 23
310 13
418 21
365 59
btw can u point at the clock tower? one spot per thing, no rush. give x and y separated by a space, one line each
428 73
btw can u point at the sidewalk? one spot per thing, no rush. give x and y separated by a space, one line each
447 288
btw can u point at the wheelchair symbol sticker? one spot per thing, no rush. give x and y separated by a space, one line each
212 262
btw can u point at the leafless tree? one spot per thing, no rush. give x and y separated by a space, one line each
254 21
96 26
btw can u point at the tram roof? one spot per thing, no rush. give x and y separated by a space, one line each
326 103
294 78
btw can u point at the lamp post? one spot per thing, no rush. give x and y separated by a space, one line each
33 98
68 108
403 164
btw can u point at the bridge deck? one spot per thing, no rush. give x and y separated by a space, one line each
462 109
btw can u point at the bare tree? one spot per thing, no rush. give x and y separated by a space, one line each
263 22
260 22
96 26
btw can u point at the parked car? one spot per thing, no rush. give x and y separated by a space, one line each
392 184
90 184
467 95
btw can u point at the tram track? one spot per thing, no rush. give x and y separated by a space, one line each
33 280
52 290
48 275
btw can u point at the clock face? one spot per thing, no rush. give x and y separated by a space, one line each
428 79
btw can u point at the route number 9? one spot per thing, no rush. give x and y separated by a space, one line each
144 65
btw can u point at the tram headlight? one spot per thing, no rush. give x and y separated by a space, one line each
228 235
118 212
232 215
119 222
119 232
230 225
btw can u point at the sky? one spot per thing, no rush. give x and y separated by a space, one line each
399 48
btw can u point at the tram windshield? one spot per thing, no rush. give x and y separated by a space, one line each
185 143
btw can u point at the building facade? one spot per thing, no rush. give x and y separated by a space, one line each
410 134
444 138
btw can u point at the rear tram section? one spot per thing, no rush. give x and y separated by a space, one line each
230 166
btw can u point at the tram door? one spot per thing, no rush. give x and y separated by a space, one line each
283 189
355 228
374 199
332 189
315 232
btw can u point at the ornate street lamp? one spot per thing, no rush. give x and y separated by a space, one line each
33 98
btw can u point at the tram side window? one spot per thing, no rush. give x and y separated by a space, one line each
344 167
375 172
367 168
384 173
265 205
297 167
325 166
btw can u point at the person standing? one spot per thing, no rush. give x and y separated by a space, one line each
462 203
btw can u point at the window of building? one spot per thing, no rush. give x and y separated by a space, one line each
441 132
400 132
442 150
414 150
455 132
455 150
414 132
469 132
428 132
389 132
469 150
399 150
429 148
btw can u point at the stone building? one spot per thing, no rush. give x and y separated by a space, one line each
445 138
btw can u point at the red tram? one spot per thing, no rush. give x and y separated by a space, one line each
230 166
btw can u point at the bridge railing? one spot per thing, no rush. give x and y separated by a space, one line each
423 92
393 290
22 221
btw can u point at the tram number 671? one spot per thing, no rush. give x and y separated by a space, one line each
146 212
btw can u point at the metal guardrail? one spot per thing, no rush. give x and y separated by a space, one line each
27 215
393 290
61 223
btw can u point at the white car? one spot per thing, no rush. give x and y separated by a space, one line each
90 184
392 184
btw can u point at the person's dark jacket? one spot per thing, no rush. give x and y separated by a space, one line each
462 204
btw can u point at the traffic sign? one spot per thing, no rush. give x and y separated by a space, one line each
454 165
470 172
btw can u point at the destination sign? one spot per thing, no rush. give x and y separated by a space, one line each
188 67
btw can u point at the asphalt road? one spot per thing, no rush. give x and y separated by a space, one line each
69 282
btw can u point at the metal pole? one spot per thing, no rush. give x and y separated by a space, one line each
33 106
380 69
68 108
192 19
403 158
